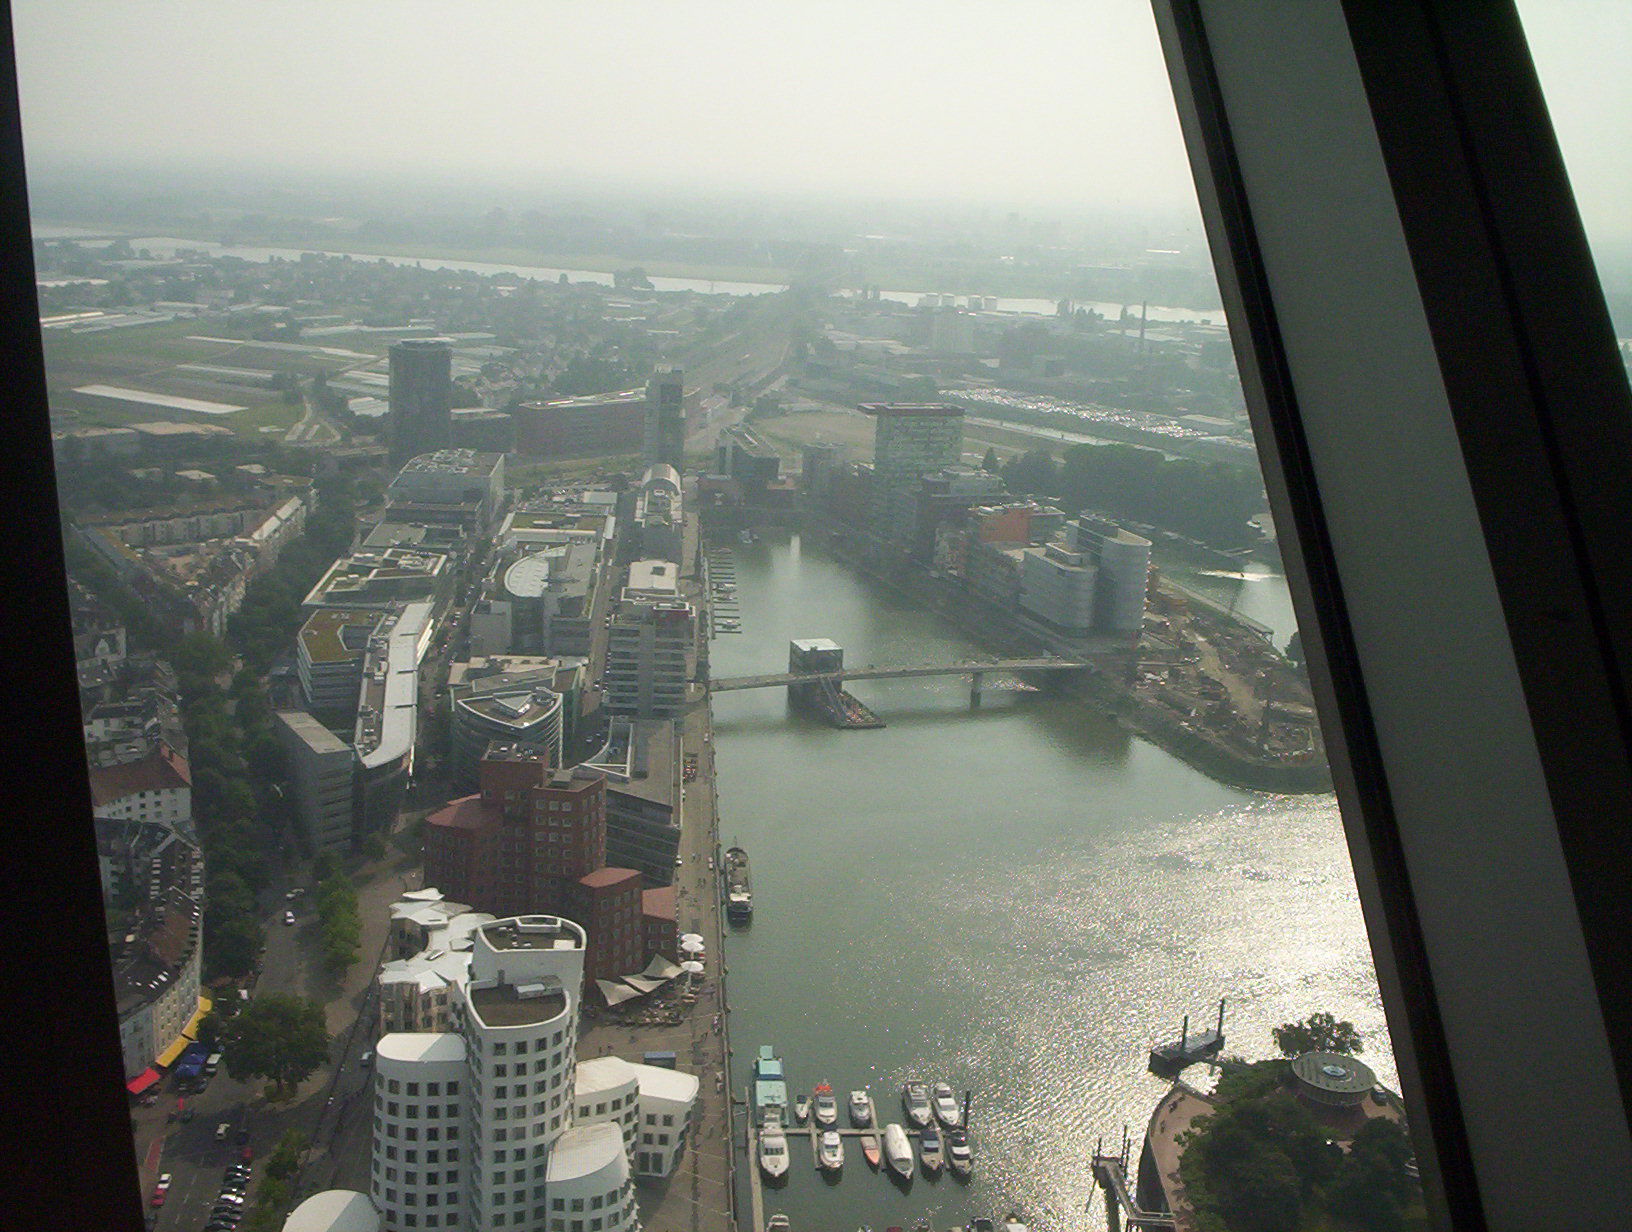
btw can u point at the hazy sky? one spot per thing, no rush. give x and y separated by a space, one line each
1062 100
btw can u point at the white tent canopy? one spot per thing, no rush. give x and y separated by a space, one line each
615 993
692 968
692 947
642 983
660 968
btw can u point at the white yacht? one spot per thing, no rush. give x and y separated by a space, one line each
915 1099
826 1107
773 1151
945 1102
861 1109
830 1151
958 1155
898 1150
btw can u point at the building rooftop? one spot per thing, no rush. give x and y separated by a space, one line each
653 577
585 1150
335 1210
659 903
312 733
1334 1072
598 1075
660 1082
510 1005
903 409
337 635
465 813
453 462
602 878
387 715
534 932
421 1046
162 769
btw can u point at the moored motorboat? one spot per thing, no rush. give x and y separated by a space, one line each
915 1100
773 1151
778 1223
830 1151
801 1110
1012 1223
826 1107
930 1152
978 1225
870 1150
861 1109
959 1157
945 1104
898 1150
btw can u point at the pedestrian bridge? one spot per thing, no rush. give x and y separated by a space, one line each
972 667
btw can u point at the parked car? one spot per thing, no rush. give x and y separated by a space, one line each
288 917
222 1130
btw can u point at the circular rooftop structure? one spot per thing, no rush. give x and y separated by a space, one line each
1332 1078
334 1210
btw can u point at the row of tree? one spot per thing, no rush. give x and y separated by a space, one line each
337 913
1209 501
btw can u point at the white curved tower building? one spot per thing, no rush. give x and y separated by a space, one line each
507 1156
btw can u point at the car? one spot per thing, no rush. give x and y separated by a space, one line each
222 1130
158 1196
288 917
163 1182
367 1058
229 1199
246 1154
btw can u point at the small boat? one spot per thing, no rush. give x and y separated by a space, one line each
801 1110
830 1151
945 1103
870 1150
915 1099
1013 1224
773 1151
978 1225
958 1155
826 1108
930 1150
898 1150
861 1109
778 1223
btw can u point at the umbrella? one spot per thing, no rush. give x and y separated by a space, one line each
692 947
697 937
692 968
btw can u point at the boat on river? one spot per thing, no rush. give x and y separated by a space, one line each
739 896
959 1157
770 1088
801 1110
915 1099
930 1152
778 1223
773 1150
830 1151
870 1150
945 1103
861 1109
898 1150
826 1107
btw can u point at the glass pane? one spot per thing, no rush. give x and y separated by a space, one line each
370 344
1583 55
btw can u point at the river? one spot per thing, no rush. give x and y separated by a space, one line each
1018 899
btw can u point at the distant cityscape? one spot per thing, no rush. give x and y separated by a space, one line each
409 646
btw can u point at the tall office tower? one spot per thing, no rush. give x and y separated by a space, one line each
910 440
421 397
666 418
474 1126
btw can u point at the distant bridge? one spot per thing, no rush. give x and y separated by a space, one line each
974 667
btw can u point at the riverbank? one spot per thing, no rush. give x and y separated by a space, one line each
1108 689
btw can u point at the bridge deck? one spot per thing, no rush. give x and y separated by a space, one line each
730 683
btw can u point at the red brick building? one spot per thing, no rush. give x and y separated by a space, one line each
660 922
609 910
534 840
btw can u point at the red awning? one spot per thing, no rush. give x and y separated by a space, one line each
142 1081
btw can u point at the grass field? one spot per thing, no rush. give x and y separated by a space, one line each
145 357
787 434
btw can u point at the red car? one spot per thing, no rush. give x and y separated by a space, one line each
161 1189
246 1154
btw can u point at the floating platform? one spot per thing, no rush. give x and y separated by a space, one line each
1169 1059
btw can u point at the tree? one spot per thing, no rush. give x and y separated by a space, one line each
989 463
279 1037
1317 1033
1033 472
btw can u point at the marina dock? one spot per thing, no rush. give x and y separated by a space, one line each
1169 1059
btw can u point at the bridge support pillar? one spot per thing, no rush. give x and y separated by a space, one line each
975 679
